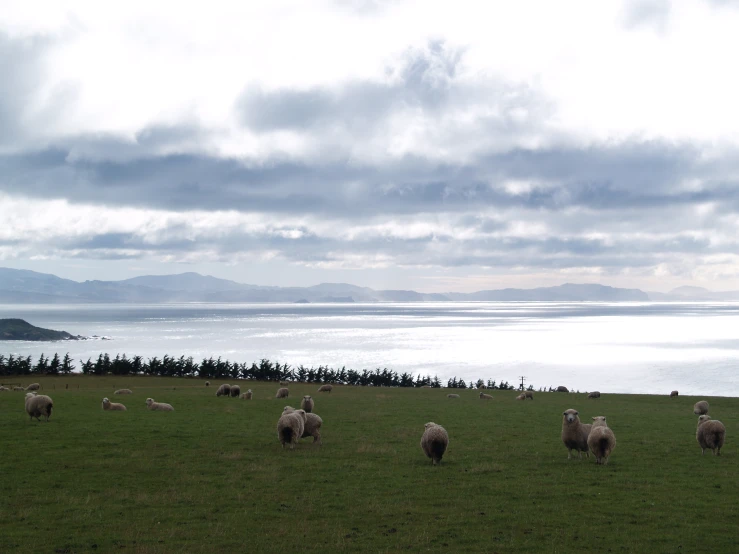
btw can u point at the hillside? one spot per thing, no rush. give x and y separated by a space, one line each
19 329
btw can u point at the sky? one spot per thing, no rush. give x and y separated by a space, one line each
421 145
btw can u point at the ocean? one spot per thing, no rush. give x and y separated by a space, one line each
649 348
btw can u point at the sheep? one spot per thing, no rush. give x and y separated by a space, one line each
521 396
33 386
528 394
325 388
313 424
3 389
307 404
700 408
123 391
158 406
562 389
282 392
207 383
284 383
290 427
18 389
434 442
711 433
575 434
224 390
601 440
113 406
39 405
247 395
452 396
484 396
673 393
235 391
594 394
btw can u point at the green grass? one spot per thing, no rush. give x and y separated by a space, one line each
212 476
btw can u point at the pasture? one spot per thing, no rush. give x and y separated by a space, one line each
212 476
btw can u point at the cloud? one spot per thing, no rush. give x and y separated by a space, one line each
647 13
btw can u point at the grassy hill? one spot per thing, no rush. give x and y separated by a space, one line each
212 477
19 329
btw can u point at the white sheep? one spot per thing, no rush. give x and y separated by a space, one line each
18 389
601 440
700 407
33 386
711 433
312 426
4 389
290 427
247 395
434 442
38 405
282 393
307 404
325 388
594 394
123 391
575 434
235 391
484 396
224 390
452 396
674 393
158 406
113 406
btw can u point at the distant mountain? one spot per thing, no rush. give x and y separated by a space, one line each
24 287
19 329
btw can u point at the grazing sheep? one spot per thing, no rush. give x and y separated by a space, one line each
484 396
313 424
434 442
3 389
290 427
594 394
575 434
235 391
18 389
282 393
325 388
521 396
247 395
113 406
224 390
700 408
123 391
307 404
33 386
207 383
284 383
673 393
158 406
562 389
452 396
711 433
38 405
601 440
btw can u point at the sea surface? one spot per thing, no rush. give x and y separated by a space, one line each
643 347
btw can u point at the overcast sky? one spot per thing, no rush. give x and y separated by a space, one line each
435 146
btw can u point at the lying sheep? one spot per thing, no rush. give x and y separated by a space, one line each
711 433
594 394
224 390
33 386
325 388
312 427
575 434
113 406
562 389
673 393
247 395
158 406
290 427
434 442
235 391
123 391
484 396
38 405
700 408
452 396
601 440
521 396
528 394
307 404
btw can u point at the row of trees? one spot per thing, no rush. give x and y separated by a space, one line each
210 368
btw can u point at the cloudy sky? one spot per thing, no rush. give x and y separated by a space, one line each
394 144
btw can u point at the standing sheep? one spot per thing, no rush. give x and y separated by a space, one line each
247 395
307 404
562 389
113 406
434 442
39 405
601 440
18 389
700 408
33 386
594 394
290 427
235 391
673 393
123 391
528 394
224 390
207 383
711 433
282 393
4 389
484 396
158 406
312 427
325 388
575 434
452 396
284 383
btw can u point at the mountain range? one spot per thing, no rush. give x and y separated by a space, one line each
19 286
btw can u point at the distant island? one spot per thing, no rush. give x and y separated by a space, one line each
19 329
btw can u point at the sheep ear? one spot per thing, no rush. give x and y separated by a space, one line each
595 418
564 413
577 413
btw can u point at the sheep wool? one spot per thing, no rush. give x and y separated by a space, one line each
307 404
123 391
33 386
247 395
484 396
521 396
452 396
601 440
528 394
224 390
575 434
18 389
700 408
113 406
594 394
434 442
674 393
325 388
284 383
282 393
290 427
562 389
235 391
711 433
38 405
158 406
312 427
3 389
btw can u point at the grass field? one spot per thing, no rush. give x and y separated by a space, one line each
212 476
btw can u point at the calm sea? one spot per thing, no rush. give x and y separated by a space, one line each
623 347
